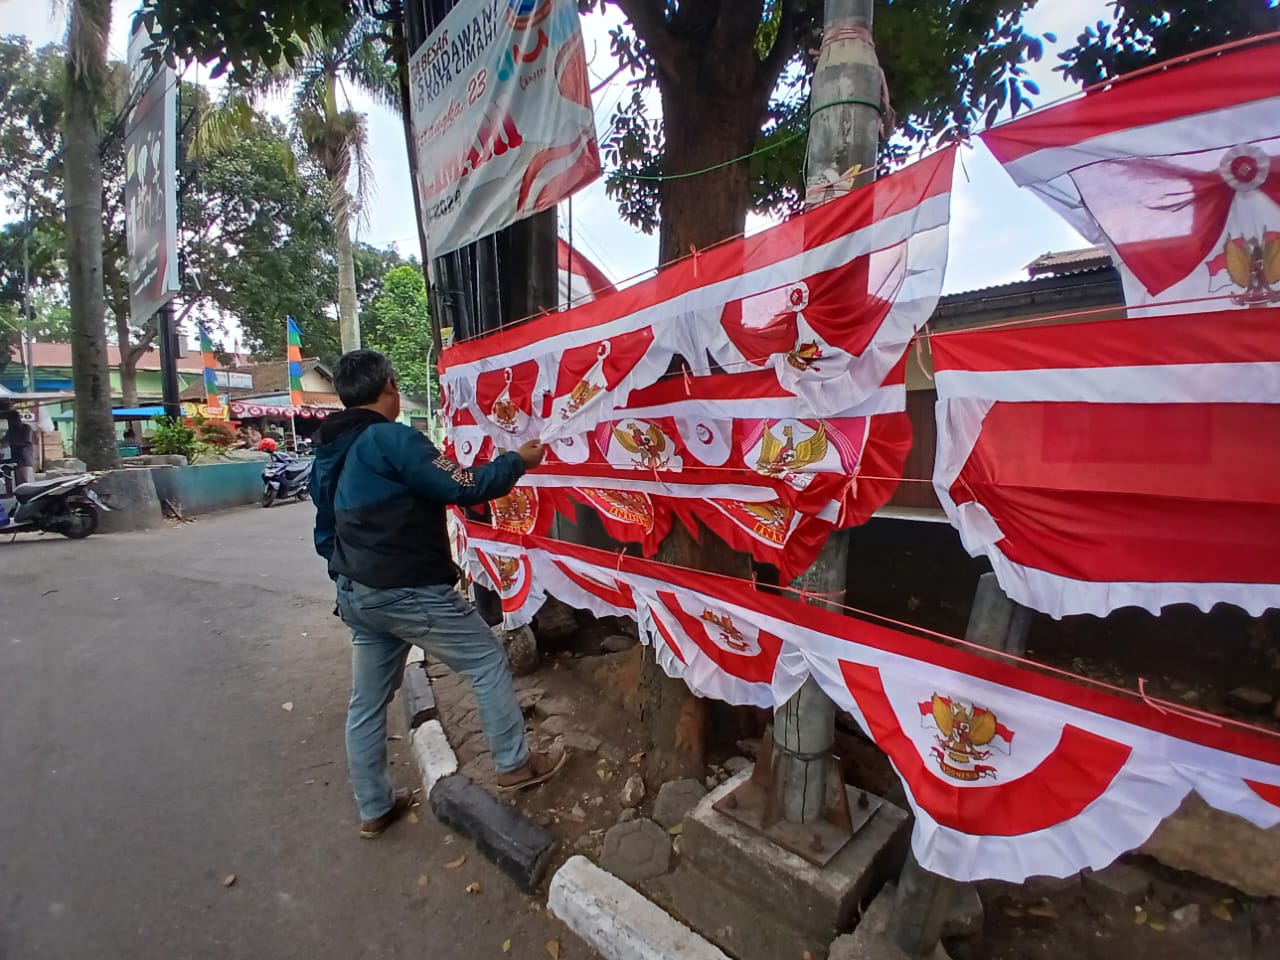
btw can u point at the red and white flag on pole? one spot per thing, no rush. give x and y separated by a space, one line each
1177 172
580 279
1117 463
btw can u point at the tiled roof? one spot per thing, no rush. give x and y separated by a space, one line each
59 355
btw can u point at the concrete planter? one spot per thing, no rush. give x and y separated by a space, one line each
206 487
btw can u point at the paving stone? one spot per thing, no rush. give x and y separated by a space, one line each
675 799
552 707
1120 885
583 742
636 851
556 725
529 696
965 916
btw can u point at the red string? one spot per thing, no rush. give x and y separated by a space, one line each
1199 716
1005 655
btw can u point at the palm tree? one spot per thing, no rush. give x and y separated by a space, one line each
87 37
336 136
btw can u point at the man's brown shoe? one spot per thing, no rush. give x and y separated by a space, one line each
542 766
375 827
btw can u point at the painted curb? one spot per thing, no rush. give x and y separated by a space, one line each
435 757
618 922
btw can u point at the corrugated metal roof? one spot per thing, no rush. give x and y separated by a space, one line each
1064 261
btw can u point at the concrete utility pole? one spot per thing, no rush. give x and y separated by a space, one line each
28 375
844 135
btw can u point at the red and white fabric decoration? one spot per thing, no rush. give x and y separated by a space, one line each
775 488
1117 463
1176 172
822 305
580 279
1011 772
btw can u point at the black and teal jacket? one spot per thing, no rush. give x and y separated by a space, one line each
380 490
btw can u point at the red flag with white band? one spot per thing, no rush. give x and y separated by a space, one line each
1177 172
1010 772
1117 463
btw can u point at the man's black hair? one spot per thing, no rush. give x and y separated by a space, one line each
360 377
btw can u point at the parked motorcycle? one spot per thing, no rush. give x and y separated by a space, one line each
285 476
65 505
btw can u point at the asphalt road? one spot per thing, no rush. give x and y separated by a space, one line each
146 755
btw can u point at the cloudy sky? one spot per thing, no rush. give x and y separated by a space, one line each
996 228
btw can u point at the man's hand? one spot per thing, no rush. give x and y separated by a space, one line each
532 454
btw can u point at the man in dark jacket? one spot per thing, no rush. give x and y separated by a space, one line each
380 490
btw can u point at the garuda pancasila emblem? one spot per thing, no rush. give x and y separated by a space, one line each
1254 265
780 457
964 733
648 448
730 636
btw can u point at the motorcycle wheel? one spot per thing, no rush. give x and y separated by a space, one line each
268 495
302 494
79 521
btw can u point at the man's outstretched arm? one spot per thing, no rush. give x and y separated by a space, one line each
433 476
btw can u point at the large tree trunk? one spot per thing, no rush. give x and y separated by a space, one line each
705 125
95 442
348 309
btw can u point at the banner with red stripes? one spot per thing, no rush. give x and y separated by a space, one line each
1011 771
1117 463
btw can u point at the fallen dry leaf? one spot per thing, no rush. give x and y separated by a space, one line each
506 946
455 864
1043 910
423 880
229 879
1139 916
1157 926
1015 912
1221 911
553 949
676 830
602 773
287 706
472 887
413 817
636 757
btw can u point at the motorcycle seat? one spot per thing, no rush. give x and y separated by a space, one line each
29 491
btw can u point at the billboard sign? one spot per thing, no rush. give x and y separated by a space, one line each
151 182
501 115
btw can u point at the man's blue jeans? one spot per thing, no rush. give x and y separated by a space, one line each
384 622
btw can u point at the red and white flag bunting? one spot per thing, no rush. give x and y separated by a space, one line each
1011 772
1117 463
774 488
823 305
1177 172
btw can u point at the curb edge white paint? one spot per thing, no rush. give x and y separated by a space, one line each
619 922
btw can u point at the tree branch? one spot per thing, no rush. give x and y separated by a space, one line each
649 23
785 44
